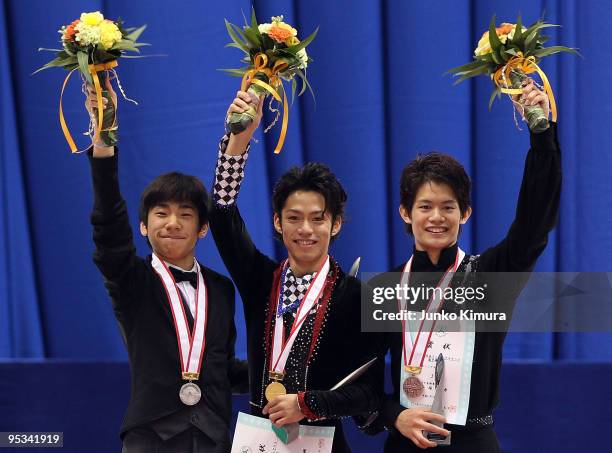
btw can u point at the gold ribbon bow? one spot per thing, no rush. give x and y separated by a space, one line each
528 66
260 64
93 69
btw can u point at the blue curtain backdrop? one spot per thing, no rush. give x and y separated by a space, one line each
381 98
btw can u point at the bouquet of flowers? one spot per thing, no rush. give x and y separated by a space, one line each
273 53
507 54
92 45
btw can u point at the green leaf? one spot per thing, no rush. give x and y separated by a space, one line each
293 89
468 74
236 72
518 31
466 67
134 35
58 62
553 50
50 50
493 38
238 46
83 61
234 36
295 49
305 83
254 19
126 45
496 93
253 38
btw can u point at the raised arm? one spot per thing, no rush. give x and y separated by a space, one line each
538 202
114 254
245 263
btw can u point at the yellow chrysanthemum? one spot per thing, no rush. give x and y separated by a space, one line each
109 34
92 19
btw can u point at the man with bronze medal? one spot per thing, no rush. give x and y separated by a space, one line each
434 203
176 315
302 315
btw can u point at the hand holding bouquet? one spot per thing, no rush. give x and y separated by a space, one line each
508 54
92 45
273 53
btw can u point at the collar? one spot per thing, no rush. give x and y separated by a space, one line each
422 263
193 268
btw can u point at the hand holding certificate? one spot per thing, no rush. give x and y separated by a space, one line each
508 54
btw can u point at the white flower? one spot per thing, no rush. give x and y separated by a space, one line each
264 28
303 56
87 34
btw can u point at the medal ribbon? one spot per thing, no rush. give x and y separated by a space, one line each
419 347
281 348
191 345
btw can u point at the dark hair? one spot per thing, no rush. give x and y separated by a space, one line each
178 188
315 177
439 168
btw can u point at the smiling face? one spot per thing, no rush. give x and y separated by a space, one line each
306 229
435 217
173 231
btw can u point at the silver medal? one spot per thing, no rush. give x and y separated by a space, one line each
190 394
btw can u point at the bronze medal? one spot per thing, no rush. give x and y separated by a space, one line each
413 387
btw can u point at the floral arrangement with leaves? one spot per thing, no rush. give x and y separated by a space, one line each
508 54
272 53
92 45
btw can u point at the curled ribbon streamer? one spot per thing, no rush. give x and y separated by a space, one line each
260 64
528 66
93 69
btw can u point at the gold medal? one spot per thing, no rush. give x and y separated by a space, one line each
275 389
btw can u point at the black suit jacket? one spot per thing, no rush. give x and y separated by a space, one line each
342 347
142 309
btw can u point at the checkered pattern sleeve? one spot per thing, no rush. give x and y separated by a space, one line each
228 175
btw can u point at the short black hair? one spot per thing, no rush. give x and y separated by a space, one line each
175 187
439 168
314 177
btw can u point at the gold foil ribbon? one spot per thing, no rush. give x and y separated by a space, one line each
260 64
93 69
528 66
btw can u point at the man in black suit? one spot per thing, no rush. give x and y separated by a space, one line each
302 314
176 315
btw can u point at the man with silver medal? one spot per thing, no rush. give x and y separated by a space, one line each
171 309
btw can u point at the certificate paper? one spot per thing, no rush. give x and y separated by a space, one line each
456 344
255 435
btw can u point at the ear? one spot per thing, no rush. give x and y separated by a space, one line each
277 224
467 215
337 226
203 231
405 214
143 229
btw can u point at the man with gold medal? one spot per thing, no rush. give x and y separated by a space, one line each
302 314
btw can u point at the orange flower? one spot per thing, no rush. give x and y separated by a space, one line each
279 34
70 31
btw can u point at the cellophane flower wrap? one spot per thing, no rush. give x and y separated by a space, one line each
92 45
273 53
508 54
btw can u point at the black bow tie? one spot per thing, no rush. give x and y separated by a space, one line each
182 276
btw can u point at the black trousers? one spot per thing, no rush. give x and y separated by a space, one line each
478 440
192 440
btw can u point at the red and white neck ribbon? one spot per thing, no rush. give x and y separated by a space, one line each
280 348
191 345
418 347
